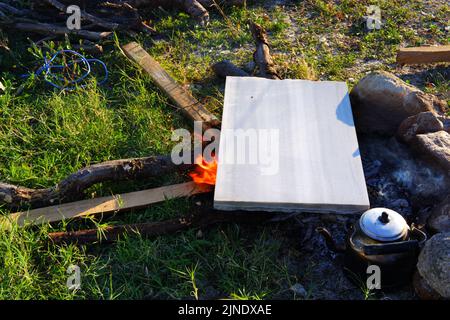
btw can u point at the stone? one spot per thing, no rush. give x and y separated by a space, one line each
424 122
439 219
435 146
446 122
381 101
423 289
434 264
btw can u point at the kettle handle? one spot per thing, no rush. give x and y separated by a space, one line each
397 247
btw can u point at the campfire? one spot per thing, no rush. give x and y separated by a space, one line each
205 171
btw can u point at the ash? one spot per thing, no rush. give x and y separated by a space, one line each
398 179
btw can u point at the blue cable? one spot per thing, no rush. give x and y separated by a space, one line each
46 70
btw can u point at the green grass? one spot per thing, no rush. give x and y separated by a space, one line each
46 135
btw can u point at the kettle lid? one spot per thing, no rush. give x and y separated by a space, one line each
383 224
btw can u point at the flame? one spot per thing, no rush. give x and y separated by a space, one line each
205 172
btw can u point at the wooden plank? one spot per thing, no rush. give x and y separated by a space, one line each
417 55
311 162
119 202
184 100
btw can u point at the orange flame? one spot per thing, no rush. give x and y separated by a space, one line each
205 172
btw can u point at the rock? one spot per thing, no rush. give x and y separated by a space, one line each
439 219
424 122
446 123
381 101
435 146
423 289
434 264
299 290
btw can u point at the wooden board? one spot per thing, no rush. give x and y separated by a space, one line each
120 202
319 165
184 100
418 55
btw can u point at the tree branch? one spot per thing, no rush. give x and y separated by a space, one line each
201 220
262 56
72 188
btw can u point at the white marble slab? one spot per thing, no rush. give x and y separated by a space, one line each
315 166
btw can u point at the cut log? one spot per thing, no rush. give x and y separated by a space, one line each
184 100
419 55
71 188
262 56
120 202
226 68
153 229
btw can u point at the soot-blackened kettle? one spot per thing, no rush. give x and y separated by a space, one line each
383 238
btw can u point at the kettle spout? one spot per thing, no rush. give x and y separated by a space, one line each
330 242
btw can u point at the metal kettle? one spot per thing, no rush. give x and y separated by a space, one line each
383 238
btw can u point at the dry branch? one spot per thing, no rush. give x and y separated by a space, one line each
262 56
72 188
199 220
86 16
47 29
49 16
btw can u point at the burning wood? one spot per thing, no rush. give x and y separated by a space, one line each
205 172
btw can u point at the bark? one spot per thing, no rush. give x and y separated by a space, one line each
49 29
262 56
72 188
200 220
